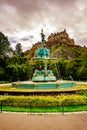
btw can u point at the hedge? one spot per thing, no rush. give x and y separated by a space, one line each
42 101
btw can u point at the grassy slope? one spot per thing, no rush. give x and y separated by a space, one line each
60 51
67 52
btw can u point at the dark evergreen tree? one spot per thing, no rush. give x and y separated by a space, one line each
19 49
4 46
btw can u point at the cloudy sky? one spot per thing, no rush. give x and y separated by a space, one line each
22 20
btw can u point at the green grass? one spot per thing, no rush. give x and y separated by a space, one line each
46 109
75 108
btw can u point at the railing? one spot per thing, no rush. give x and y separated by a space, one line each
7 105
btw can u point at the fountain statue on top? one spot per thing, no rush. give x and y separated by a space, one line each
42 52
43 73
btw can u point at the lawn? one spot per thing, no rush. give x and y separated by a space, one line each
46 109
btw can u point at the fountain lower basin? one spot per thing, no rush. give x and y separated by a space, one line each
43 85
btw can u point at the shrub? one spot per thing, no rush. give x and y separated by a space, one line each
43 101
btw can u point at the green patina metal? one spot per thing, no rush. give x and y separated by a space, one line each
42 54
43 85
47 85
67 84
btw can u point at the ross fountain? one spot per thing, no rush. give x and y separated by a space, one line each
44 73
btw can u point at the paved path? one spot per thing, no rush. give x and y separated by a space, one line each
16 121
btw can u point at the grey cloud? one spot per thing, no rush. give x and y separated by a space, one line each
24 5
29 14
12 40
34 6
83 41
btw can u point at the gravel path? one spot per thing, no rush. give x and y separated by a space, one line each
22 121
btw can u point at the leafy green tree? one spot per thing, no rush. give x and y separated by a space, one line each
62 68
18 68
5 52
72 68
12 72
82 71
4 45
18 72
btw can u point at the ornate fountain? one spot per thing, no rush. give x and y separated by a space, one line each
42 56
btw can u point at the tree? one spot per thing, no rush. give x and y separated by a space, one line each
2 72
5 53
19 49
82 71
61 65
72 68
4 45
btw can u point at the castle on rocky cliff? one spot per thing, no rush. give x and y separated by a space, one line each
61 38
